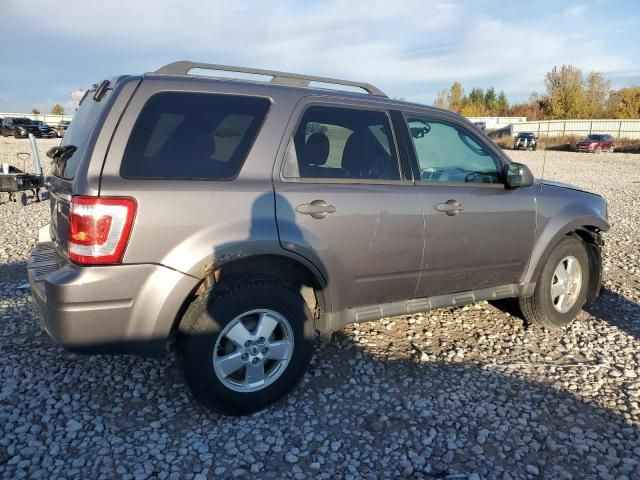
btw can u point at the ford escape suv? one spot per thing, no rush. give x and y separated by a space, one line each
240 218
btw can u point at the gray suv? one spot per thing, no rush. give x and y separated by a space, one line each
240 218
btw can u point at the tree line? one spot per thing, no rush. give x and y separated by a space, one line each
568 94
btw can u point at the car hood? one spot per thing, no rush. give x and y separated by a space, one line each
552 183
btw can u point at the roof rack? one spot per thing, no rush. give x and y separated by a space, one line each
281 78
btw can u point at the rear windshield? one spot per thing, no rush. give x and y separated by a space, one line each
193 135
79 132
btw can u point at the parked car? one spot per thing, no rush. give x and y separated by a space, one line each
481 125
63 125
19 127
45 131
241 218
525 140
596 143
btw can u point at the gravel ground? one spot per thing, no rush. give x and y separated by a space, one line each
457 393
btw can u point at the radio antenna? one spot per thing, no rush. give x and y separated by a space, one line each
544 157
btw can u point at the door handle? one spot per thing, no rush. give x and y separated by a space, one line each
317 209
450 207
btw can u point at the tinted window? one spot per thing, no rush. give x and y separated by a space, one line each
343 143
193 135
447 153
79 132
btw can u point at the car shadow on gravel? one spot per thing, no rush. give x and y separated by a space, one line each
11 272
617 310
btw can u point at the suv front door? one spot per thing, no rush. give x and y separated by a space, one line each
342 202
478 233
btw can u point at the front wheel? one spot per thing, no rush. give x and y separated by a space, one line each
244 346
561 290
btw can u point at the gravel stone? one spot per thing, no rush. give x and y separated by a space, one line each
457 393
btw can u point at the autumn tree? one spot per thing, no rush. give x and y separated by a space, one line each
625 103
456 96
566 92
597 91
442 99
57 109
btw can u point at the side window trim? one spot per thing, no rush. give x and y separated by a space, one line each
448 121
329 180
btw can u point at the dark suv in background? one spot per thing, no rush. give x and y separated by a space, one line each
525 140
19 127
240 218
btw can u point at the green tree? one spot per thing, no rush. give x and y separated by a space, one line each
565 89
502 104
597 91
57 109
625 103
491 100
35 111
476 96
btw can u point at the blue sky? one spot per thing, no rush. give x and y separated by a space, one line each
409 49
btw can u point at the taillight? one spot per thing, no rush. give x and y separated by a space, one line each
99 229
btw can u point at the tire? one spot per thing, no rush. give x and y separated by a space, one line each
203 343
24 199
546 311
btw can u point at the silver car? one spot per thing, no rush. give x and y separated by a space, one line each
241 218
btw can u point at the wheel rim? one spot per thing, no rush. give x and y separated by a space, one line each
566 284
253 350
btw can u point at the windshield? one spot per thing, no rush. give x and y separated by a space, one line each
595 137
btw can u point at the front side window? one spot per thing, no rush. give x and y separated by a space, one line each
193 135
343 143
447 153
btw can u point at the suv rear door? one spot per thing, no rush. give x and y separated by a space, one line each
342 202
478 233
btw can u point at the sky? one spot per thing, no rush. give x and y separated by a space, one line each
409 49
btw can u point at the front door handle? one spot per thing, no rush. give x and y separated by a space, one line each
450 207
317 209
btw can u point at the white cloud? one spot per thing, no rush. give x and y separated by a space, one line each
575 10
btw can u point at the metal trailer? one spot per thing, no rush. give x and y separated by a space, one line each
17 182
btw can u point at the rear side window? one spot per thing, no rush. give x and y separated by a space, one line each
343 143
193 135
79 132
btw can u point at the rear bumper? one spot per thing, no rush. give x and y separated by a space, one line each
109 309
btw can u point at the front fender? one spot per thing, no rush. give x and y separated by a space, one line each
558 218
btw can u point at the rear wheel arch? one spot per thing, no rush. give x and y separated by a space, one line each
283 269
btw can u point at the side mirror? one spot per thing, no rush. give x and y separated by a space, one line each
517 175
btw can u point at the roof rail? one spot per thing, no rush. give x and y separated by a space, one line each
281 78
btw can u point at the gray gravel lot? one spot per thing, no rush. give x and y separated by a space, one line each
457 393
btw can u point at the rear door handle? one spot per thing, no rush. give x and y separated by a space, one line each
450 207
317 209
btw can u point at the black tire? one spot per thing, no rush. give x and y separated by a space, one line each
24 200
539 308
206 318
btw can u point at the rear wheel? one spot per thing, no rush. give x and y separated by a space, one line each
244 346
23 199
561 290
